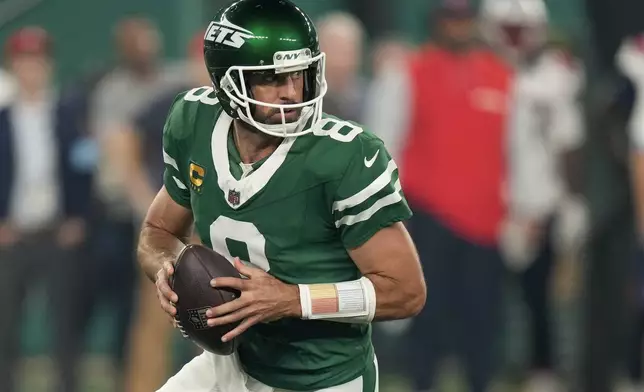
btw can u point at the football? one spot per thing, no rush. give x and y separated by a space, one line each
196 266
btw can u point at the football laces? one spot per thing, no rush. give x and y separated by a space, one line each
180 327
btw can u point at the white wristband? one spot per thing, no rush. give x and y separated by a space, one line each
351 302
305 301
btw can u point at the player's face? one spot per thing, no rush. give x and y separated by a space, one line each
282 89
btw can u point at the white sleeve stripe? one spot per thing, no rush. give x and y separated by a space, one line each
169 160
385 201
382 181
179 183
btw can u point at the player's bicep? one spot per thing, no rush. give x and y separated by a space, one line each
389 252
369 197
390 261
168 215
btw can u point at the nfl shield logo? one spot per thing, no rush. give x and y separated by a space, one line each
233 197
198 318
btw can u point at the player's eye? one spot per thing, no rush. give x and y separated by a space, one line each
264 78
271 78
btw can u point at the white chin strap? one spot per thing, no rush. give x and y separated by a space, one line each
295 128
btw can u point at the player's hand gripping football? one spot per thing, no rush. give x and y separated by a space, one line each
166 296
263 298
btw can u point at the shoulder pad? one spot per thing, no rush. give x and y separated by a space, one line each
341 133
188 107
342 141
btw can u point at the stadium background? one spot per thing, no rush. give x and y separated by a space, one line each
82 31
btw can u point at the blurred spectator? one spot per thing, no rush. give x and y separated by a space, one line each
450 144
630 61
144 164
143 161
138 78
132 85
7 87
612 192
546 213
43 205
390 58
80 94
341 38
389 52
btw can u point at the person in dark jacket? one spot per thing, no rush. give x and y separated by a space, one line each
43 202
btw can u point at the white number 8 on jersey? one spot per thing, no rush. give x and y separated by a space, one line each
246 232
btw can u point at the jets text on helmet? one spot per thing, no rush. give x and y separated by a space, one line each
228 34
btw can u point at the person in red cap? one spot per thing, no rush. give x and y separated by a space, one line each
144 166
43 200
28 54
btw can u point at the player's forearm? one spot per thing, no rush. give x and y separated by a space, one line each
374 297
398 299
156 247
164 233
392 286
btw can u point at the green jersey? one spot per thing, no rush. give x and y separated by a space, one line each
294 214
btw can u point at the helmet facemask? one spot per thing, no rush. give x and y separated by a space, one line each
235 83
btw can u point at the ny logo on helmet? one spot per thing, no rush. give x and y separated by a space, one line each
287 56
228 34
292 60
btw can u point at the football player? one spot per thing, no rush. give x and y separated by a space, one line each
307 206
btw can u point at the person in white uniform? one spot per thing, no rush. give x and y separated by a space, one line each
546 216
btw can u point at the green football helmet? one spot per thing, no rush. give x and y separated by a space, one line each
265 36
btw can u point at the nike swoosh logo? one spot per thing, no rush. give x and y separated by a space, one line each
369 162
